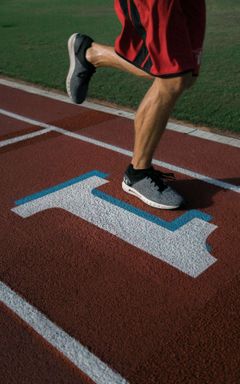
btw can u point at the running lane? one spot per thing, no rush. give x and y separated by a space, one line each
96 286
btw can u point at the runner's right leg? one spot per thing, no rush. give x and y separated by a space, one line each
104 56
154 111
85 56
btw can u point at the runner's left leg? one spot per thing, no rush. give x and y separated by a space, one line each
153 114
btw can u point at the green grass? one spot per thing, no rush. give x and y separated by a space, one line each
33 48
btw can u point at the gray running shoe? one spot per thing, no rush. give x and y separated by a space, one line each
149 186
80 70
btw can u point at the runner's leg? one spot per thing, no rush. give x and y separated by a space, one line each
154 111
153 114
105 56
153 49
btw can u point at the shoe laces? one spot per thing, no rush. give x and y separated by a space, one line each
159 178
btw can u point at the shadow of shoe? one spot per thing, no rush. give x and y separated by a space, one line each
199 194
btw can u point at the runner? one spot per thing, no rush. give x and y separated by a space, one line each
161 40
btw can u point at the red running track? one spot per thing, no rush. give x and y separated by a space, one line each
145 319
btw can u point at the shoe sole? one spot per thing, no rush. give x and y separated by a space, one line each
153 204
71 52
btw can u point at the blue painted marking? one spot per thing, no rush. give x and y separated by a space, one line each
172 226
58 187
209 247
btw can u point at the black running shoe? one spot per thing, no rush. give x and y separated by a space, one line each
80 70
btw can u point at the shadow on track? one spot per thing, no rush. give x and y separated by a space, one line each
199 194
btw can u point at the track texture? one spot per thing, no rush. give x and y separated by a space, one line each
144 318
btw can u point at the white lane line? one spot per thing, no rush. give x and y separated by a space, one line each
25 119
80 356
17 139
174 168
216 138
234 142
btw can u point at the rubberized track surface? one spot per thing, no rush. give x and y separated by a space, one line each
97 287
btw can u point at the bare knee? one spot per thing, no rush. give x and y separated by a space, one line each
175 86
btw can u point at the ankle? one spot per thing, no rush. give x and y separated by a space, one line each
138 165
92 55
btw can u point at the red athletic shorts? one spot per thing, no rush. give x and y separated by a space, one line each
162 37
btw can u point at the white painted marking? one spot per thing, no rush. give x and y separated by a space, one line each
183 248
84 360
28 136
194 175
180 128
234 142
25 119
216 138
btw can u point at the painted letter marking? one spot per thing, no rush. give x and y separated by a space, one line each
181 243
